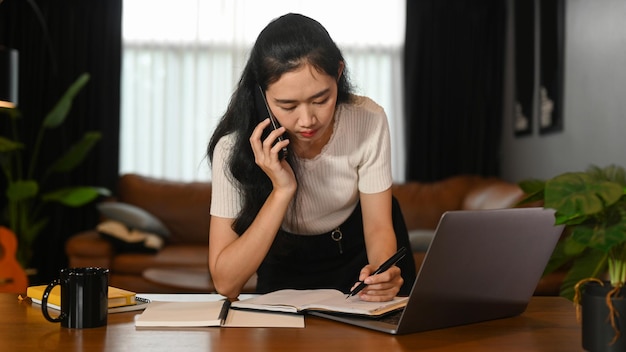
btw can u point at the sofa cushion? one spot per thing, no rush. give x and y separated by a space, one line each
133 217
493 194
125 239
423 203
183 207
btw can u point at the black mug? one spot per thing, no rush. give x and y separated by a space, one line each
84 298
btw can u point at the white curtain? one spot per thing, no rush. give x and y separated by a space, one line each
181 61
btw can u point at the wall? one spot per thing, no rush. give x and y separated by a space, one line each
594 111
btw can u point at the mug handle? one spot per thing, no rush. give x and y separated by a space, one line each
44 302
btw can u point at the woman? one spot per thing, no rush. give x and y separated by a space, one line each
321 217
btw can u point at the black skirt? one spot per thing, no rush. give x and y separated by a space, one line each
322 261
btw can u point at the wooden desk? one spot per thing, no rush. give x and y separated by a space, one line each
549 324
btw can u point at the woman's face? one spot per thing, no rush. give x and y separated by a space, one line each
303 101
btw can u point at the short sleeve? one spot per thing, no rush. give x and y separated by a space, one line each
225 197
375 168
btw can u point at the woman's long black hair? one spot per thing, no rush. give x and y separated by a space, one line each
284 45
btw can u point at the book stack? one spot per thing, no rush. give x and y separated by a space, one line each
119 300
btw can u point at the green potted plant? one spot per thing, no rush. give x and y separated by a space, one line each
592 205
27 192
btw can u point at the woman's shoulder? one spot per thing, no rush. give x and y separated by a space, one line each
227 140
225 144
362 112
365 105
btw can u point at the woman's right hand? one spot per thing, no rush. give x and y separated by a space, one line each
266 154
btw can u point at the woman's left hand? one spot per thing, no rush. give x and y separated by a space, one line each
380 287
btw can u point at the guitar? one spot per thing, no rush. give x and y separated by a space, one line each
12 276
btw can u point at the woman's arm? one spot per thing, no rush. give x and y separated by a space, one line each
380 242
233 259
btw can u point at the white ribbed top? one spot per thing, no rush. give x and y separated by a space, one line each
357 158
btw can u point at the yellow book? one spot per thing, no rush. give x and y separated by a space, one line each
117 296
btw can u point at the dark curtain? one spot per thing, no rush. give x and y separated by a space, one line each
454 68
58 40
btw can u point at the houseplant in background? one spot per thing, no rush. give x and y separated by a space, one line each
27 192
592 205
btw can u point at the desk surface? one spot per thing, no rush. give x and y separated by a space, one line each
549 324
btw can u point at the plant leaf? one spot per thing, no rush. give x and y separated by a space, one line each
572 247
533 191
59 112
592 263
576 194
532 186
531 198
8 145
560 257
601 237
612 173
21 190
75 196
76 154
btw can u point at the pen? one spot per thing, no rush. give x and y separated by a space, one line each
224 311
384 267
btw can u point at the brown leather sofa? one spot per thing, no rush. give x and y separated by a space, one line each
183 207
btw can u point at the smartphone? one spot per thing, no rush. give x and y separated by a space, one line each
263 112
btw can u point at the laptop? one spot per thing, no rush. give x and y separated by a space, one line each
481 265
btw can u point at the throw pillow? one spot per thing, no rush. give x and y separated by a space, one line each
133 217
124 239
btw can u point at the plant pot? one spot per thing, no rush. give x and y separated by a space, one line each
597 332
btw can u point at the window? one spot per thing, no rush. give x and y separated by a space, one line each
181 61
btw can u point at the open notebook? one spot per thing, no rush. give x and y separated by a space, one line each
329 300
480 265
195 311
